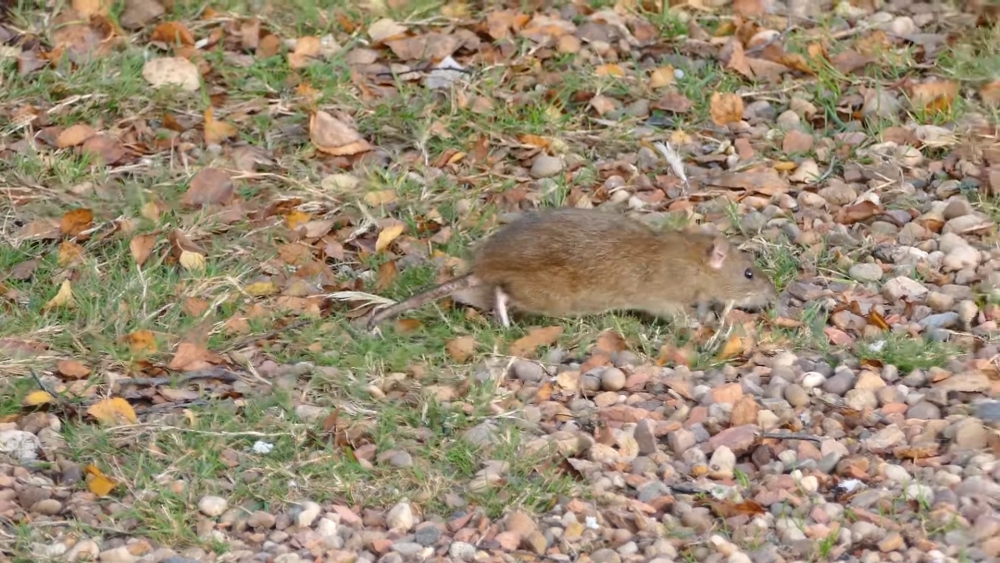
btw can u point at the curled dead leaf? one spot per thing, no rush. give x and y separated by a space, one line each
141 246
64 298
333 136
217 131
210 186
526 346
388 234
76 221
141 342
726 108
172 33
74 135
114 410
97 482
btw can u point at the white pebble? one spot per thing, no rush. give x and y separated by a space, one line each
305 518
400 517
212 506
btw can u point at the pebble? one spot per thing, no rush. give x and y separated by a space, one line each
613 379
545 166
865 272
212 506
527 371
400 517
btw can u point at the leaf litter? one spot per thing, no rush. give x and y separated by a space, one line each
255 217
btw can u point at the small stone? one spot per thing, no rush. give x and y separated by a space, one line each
307 514
261 520
681 440
865 272
427 534
117 555
960 258
47 507
869 380
967 311
861 399
613 379
947 319
527 371
940 302
645 437
546 166
212 506
839 383
924 411
797 141
722 464
903 288
891 542
838 193
535 542
796 395
401 459
462 551
310 413
812 379
400 517
84 550
520 523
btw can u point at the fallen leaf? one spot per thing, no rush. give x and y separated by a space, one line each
609 69
385 29
850 61
76 221
726 108
611 341
270 45
261 288
850 214
190 356
113 411
404 326
728 509
194 306
307 50
64 298
103 149
990 92
141 342
141 247
380 197
210 186
525 346
217 131
192 261
674 102
333 136
72 369
69 253
662 77
757 180
934 97
429 46
24 270
74 135
733 347
176 71
388 234
837 336
98 483
172 33
36 398
40 229
461 349
88 8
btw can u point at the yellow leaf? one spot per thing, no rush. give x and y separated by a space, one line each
62 299
662 77
69 252
111 411
150 211
99 483
217 131
609 69
296 219
258 289
380 197
388 235
734 346
36 398
192 260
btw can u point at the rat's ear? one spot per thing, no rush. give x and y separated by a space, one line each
717 252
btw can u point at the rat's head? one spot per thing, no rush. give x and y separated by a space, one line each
739 279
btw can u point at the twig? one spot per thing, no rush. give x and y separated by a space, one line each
263 336
214 373
791 436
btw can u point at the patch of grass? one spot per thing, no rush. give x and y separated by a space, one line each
907 353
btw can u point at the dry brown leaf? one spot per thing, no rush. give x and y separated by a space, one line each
69 253
733 347
990 92
250 34
74 135
385 29
380 197
850 214
296 218
462 348
609 69
404 326
172 71
24 270
194 306
387 274
217 131
80 36
88 8
172 33
99 484
750 8
113 411
765 181
72 369
726 108
388 234
210 186
270 45
104 150
190 356
64 298
729 509
837 336
526 346
934 97
850 61
76 221
141 247
430 46
611 341
141 342
674 102
333 136
40 229
307 50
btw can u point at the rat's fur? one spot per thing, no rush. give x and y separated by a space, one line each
569 262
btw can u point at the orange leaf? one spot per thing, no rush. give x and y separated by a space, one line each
141 247
333 136
934 96
306 50
526 345
172 33
210 185
76 221
74 135
141 342
726 108
99 483
461 349
217 131
72 369
69 252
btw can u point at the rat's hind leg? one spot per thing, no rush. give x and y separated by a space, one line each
500 306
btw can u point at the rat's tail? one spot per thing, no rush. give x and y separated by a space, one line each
420 299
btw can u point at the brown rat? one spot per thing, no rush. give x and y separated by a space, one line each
570 262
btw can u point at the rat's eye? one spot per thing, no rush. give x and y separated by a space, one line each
748 274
